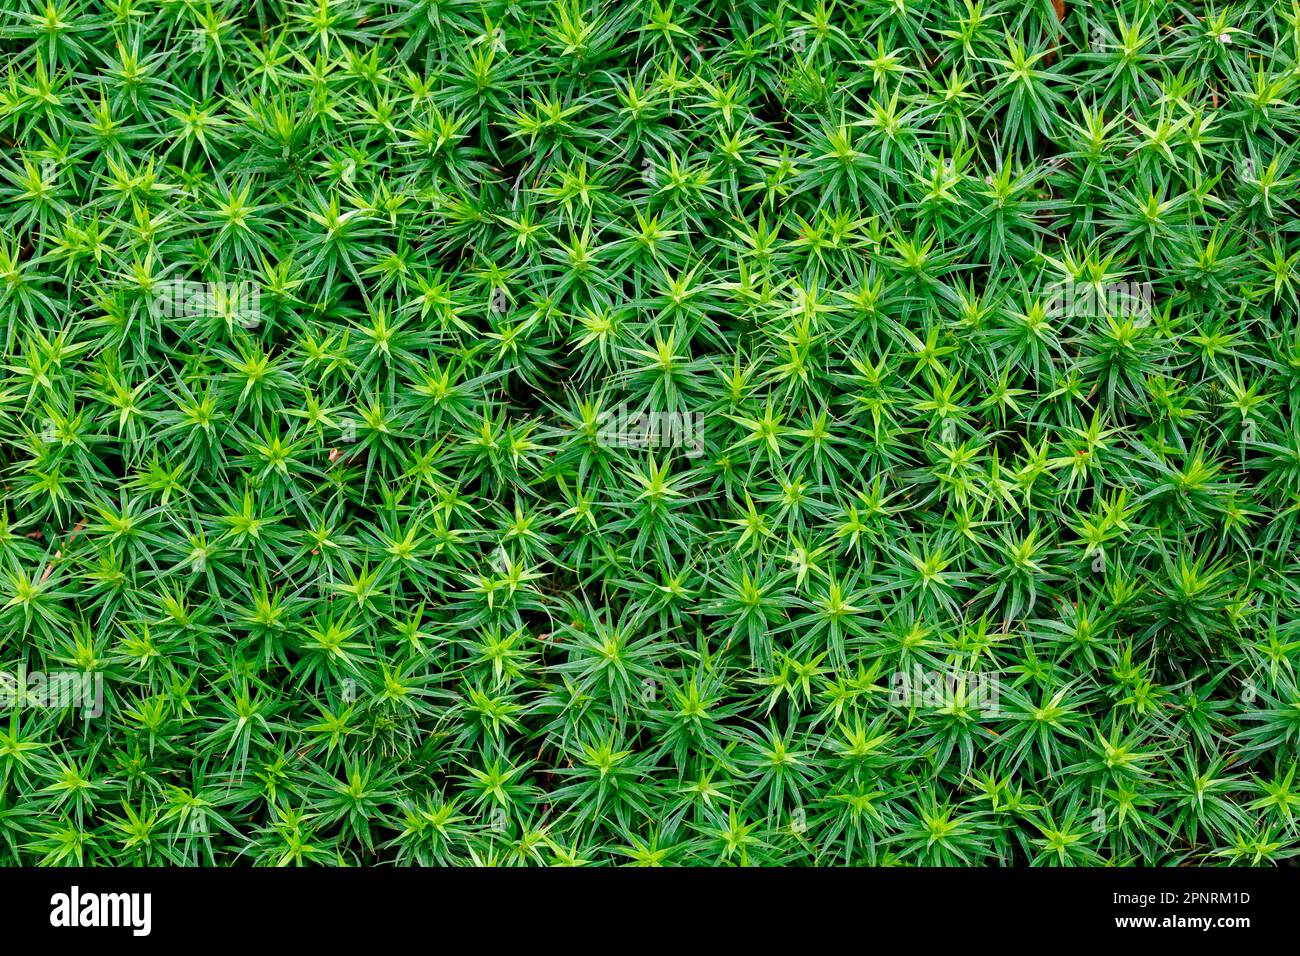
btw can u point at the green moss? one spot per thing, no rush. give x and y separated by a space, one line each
703 433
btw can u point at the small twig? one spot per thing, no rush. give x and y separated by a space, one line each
49 568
